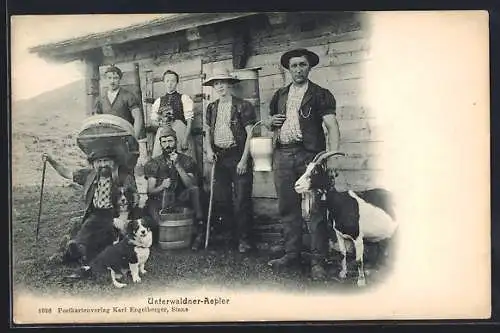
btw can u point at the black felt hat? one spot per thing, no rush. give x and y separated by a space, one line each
312 57
109 152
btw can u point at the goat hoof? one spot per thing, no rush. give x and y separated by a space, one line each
361 283
120 285
342 274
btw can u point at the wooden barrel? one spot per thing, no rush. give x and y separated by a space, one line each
176 229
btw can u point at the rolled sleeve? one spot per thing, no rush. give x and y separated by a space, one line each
97 108
132 101
80 176
154 110
248 116
151 170
208 115
327 103
187 106
189 166
273 104
130 183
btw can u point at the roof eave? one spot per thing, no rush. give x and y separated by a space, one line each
75 48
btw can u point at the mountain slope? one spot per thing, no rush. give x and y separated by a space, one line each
48 122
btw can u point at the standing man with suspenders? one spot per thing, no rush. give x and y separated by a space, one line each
298 113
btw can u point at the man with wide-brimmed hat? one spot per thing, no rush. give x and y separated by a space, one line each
298 113
100 182
171 183
229 120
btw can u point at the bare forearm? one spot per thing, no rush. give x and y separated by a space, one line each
155 189
61 169
187 180
138 123
188 127
209 140
332 128
246 150
334 139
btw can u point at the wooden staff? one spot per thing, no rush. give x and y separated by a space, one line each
207 234
41 198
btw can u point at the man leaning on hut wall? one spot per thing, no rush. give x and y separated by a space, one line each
298 112
173 110
122 103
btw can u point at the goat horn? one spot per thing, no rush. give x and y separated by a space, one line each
318 155
329 154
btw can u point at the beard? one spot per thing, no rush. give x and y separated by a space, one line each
104 171
168 150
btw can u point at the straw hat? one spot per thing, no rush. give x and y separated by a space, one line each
312 57
220 74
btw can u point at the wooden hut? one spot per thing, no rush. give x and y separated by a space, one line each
195 44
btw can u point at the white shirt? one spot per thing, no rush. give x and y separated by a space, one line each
112 95
223 136
187 106
290 130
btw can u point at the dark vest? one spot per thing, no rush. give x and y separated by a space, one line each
316 102
89 189
175 101
236 125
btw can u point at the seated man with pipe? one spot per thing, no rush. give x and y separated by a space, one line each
103 183
171 179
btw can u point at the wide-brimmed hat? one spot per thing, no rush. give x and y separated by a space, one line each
312 57
220 74
109 152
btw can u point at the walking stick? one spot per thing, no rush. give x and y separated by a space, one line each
41 197
207 234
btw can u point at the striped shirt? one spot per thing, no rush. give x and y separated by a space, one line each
223 136
290 131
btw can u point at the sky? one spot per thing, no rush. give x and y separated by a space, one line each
32 75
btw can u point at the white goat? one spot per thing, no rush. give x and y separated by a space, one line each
356 216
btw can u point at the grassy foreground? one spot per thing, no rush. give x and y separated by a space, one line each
182 269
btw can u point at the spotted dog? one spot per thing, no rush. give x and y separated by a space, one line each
129 254
127 211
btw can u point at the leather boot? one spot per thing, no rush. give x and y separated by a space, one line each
318 272
286 260
244 246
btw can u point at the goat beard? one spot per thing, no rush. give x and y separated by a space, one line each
303 187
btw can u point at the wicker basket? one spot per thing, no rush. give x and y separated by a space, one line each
108 131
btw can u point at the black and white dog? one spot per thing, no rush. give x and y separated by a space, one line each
128 210
130 254
355 215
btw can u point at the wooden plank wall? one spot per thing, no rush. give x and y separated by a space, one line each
342 55
343 45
